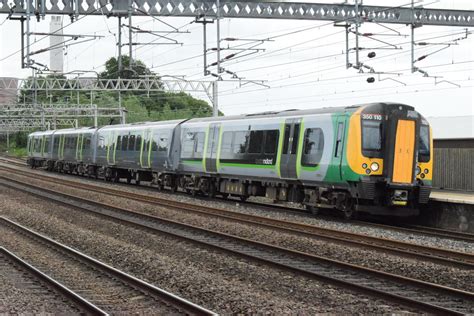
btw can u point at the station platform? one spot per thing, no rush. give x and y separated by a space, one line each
449 196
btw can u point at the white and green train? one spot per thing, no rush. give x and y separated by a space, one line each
375 158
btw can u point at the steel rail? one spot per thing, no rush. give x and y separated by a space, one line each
414 293
83 304
409 229
463 236
400 248
181 304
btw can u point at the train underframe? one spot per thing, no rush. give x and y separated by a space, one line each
375 197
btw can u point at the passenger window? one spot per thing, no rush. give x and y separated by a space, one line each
271 142
119 143
138 143
313 147
199 143
188 144
101 143
240 142
255 142
154 145
163 144
56 144
286 138
226 146
131 142
155 142
46 144
296 137
87 142
124 142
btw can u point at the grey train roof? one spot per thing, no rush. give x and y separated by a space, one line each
293 112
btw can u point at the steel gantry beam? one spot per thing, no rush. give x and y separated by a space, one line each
242 9
21 117
94 84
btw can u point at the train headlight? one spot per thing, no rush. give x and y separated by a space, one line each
422 175
364 165
418 170
426 171
374 166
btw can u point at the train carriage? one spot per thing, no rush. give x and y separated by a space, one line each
135 151
375 158
39 148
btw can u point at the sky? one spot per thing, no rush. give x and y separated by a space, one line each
299 64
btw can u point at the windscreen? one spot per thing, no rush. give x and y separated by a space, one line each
372 138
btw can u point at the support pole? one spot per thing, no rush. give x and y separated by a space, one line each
357 33
123 114
130 33
22 23
215 99
205 46
119 59
412 25
348 65
96 123
28 9
218 9
215 91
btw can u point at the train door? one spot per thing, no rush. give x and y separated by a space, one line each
339 145
212 146
145 152
111 147
291 135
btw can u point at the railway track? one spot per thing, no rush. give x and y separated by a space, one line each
422 296
419 252
402 228
111 290
14 161
407 229
39 284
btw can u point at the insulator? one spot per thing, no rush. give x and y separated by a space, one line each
422 57
371 55
371 80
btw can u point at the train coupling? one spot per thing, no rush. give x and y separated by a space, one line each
400 197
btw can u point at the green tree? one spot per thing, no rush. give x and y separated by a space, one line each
137 70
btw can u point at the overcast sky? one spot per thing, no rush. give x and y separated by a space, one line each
303 65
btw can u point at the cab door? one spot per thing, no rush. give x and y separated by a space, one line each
212 146
339 145
291 136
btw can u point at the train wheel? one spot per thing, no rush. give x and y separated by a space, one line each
243 198
348 210
225 196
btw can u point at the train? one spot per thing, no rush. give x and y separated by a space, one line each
374 158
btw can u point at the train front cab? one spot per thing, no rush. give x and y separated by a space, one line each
389 148
39 148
